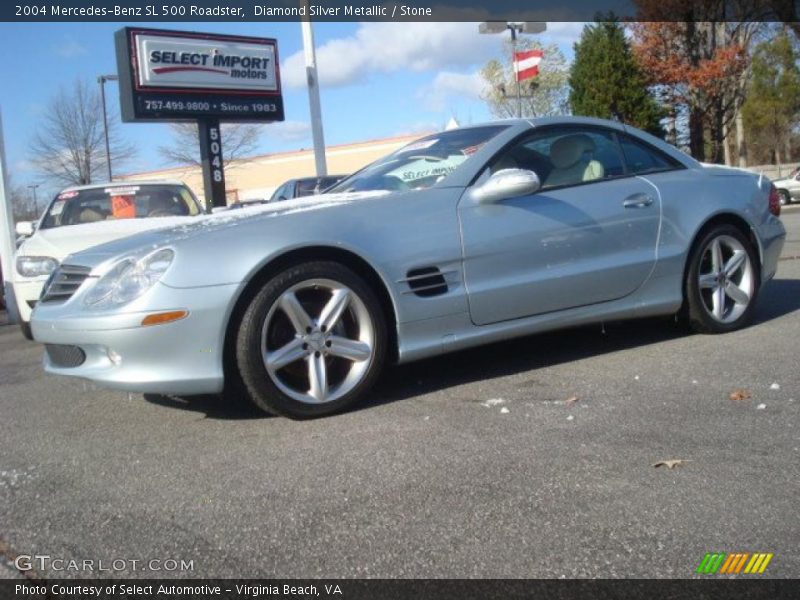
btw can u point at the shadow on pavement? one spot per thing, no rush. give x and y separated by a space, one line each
211 405
779 297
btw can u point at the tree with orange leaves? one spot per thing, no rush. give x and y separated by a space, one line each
698 65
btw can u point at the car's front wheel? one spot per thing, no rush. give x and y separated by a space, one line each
312 341
722 281
785 197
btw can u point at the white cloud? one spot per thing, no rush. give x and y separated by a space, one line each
289 131
448 86
562 33
24 166
389 47
70 48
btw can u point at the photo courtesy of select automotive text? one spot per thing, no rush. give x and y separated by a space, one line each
413 299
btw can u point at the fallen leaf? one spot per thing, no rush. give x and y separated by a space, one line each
571 400
671 463
737 395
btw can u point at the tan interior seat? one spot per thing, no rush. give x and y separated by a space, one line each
568 155
90 215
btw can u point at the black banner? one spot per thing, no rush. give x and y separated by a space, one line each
404 10
417 589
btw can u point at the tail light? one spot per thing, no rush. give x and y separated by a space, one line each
774 201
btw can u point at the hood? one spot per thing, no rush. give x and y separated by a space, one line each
195 226
58 242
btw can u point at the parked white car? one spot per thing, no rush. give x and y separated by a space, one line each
85 216
789 187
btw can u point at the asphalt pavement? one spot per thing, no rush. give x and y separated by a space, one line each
530 458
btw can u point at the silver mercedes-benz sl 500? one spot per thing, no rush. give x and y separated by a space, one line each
461 238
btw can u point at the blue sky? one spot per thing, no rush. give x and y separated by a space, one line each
378 79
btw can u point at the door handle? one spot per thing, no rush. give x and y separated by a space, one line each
637 201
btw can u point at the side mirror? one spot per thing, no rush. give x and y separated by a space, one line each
26 228
508 183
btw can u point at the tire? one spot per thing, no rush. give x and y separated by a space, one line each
307 318
786 197
707 309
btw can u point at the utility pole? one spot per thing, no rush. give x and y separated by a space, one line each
102 81
35 202
313 94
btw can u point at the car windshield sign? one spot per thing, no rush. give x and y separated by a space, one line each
422 163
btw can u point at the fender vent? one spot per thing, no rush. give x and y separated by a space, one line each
426 281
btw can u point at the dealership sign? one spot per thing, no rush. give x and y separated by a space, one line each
175 75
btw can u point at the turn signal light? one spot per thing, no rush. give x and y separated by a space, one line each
164 317
774 201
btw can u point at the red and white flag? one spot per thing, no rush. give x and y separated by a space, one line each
526 64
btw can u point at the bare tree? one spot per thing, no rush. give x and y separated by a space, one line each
239 142
69 147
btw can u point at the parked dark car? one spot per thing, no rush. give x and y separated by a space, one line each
306 186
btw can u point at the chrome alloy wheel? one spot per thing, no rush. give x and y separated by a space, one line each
317 341
726 279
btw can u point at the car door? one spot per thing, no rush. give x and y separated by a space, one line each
794 187
587 236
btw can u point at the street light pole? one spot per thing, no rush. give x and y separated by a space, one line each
515 28
312 80
102 81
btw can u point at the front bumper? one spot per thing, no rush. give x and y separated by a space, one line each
181 357
27 294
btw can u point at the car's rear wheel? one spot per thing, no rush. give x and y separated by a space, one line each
312 341
786 197
722 281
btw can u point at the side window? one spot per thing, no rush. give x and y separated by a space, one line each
562 157
641 158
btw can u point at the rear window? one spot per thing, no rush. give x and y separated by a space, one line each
119 202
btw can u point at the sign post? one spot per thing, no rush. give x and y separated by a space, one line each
7 234
206 78
211 161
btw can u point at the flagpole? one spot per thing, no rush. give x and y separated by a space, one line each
513 29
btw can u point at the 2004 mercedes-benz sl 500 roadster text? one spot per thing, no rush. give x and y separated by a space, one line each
461 238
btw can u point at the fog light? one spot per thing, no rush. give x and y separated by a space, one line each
113 356
164 317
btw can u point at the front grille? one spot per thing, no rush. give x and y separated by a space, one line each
64 356
64 282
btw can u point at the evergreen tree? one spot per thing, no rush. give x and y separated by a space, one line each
606 81
772 108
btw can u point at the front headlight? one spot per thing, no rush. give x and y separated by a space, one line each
129 279
36 266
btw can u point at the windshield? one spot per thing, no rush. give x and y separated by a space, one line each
421 164
119 202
